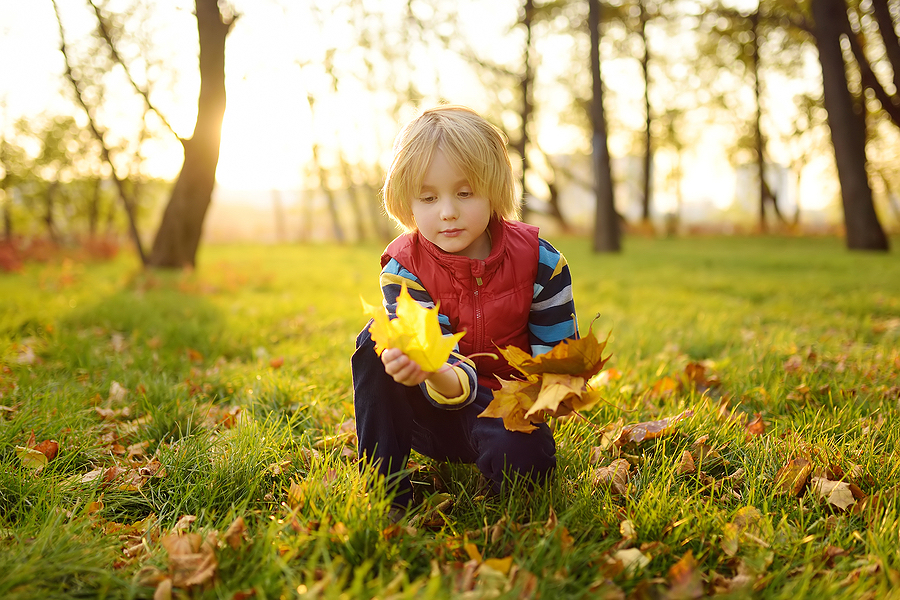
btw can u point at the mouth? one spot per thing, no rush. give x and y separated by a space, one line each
451 232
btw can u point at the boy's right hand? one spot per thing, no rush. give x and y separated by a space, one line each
403 369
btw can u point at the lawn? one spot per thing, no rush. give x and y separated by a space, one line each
191 434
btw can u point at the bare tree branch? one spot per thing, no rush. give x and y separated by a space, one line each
870 81
104 29
889 35
92 123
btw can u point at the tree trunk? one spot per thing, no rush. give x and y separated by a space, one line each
848 129
280 217
757 121
49 196
179 233
7 222
648 138
94 208
6 205
354 194
606 223
526 85
330 200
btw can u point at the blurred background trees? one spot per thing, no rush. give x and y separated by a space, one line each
755 81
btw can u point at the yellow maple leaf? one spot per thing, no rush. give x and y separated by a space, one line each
415 331
555 389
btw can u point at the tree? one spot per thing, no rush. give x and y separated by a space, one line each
749 45
606 222
644 17
178 236
846 118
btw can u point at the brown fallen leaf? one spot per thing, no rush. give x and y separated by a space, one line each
234 535
615 475
632 560
835 493
755 427
686 464
791 478
192 559
163 590
651 429
184 523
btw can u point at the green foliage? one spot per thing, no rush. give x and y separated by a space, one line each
230 388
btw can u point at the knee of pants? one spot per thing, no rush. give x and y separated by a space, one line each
529 454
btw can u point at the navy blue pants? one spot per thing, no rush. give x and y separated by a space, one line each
392 418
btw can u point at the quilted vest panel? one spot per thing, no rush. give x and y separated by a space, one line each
488 299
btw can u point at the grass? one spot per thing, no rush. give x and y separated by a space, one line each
168 397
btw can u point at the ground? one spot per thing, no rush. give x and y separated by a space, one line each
191 434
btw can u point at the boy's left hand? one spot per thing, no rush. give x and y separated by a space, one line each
402 368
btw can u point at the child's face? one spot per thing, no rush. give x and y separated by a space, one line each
449 213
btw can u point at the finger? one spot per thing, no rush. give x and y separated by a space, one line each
390 354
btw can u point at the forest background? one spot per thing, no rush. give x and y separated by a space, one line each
698 103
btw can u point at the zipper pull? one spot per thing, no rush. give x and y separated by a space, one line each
478 280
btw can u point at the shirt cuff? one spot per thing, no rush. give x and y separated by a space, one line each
461 399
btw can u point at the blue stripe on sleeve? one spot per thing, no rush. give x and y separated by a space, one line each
559 331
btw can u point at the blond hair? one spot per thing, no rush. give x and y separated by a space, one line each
469 142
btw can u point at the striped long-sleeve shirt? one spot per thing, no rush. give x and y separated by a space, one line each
551 318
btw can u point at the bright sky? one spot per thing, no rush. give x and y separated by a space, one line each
268 129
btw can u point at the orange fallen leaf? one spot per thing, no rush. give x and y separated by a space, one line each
684 579
276 363
580 358
511 402
756 427
555 383
665 386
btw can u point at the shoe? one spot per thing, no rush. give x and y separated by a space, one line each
396 514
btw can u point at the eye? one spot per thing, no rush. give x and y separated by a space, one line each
465 194
427 199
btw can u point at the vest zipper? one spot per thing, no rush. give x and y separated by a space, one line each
479 325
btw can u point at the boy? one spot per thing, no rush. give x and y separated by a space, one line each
450 186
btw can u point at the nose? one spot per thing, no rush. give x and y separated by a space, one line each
449 209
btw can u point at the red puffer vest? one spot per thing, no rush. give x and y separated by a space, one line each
488 299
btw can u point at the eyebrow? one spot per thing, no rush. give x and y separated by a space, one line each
462 182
